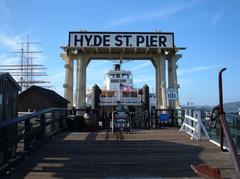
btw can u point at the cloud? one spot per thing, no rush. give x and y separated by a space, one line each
13 44
162 14
56 76
185 82
8 60
143 65
95 73
198 69
10 42
96 64
212 18
142 79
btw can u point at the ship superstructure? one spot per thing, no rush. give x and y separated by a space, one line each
118 86
113 78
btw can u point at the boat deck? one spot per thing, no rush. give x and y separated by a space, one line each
163 153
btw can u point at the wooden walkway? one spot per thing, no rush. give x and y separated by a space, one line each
163 153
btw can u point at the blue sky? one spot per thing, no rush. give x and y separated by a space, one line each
209 30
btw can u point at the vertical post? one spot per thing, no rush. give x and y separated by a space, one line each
199 125
157 88
61 119
225 128
42 124
159 64
81 81
156 119
65 114
221 112
68 86
154 62
27 139
172 79
53 121
163 81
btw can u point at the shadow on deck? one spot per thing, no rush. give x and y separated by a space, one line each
144 153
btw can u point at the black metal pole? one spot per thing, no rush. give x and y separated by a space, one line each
221 112
224 126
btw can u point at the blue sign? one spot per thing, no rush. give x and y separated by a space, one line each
164 117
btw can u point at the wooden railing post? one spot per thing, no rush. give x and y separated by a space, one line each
2 148
29 128
173 116
156 119
66 113
53 124
60 120
42 124
27 138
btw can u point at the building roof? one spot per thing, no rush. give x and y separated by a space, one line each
7 75
47 93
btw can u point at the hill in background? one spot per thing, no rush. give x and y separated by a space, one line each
228 107
232 106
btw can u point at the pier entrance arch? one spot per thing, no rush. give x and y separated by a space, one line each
158 47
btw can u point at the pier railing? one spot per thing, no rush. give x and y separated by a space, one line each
21 135
113 100
193 125
225 131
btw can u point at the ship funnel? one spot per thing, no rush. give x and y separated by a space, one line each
117 67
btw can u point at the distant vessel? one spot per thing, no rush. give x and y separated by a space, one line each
118 87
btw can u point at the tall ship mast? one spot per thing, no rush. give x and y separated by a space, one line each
27 72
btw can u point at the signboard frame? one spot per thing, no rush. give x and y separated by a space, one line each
121 39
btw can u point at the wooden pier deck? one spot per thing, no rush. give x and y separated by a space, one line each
163 153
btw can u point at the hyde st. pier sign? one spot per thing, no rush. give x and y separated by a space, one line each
121 39
158 47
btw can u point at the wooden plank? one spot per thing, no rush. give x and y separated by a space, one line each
144 153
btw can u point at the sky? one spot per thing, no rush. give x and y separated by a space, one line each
208 29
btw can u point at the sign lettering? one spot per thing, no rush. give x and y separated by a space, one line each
171 94
111 39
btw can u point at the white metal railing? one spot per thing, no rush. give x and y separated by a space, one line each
114 100
194 127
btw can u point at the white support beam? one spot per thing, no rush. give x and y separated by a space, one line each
159 64
68 86
172 78
81 81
